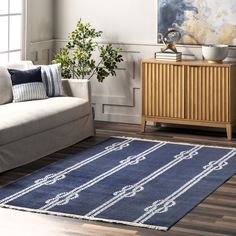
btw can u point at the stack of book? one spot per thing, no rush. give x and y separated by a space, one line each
168 56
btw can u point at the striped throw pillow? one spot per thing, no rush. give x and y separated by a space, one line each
51 75
27 85
28 91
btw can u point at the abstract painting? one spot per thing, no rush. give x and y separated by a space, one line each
199 21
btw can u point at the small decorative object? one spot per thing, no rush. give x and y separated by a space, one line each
168 56
77 57
215 53
170 38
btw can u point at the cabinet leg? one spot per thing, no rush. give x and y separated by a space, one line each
143 125
229 131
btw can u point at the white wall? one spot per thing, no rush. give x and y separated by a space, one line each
40 15
123 21
129 24
39 28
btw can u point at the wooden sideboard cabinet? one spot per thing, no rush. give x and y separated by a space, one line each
189 93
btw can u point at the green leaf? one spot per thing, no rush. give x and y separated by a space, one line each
77 57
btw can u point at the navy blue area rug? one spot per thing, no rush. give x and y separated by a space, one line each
131 181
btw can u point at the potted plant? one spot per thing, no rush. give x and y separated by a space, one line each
77 57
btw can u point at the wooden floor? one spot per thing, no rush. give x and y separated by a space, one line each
216 215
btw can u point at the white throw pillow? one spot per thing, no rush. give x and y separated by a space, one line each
28 92
51 76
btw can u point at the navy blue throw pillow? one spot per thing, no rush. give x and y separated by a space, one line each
27 85
25 76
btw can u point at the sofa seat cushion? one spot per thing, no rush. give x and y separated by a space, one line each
20 120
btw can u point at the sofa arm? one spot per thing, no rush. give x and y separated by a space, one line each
80 88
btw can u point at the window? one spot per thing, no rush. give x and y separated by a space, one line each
11 30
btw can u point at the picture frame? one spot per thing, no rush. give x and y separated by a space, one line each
200 22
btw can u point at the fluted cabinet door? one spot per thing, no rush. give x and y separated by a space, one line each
163 90
207 93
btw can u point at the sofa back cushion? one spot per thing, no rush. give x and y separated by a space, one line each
21 65
5 79
5 86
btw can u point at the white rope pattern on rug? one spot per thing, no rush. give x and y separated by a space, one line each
65 197
131 190
53 178
161 206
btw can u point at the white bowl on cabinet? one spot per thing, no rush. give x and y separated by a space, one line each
215 53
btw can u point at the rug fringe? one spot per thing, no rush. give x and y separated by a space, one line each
53 213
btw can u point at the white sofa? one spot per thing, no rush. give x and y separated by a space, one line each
33 129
